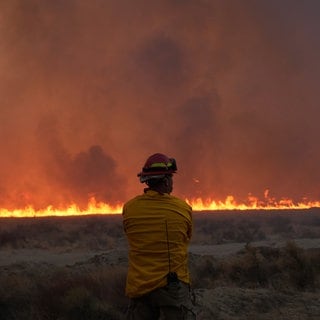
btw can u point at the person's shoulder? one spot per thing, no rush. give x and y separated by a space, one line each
181 203
132 200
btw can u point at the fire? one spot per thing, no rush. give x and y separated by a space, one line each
198 204
252 203
93 207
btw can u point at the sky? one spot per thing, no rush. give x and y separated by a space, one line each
90 89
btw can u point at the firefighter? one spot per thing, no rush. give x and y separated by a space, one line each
158 227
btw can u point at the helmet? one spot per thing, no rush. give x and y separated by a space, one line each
157 166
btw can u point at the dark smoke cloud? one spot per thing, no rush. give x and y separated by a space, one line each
78 177
89 89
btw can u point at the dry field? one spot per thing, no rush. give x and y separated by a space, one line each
245 265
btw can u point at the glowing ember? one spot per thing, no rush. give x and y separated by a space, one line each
94 207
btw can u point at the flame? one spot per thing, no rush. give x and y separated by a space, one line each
198 204
93 207
252 203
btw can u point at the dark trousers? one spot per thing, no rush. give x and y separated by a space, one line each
172 302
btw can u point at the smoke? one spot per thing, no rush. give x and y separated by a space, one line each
89 89
77 177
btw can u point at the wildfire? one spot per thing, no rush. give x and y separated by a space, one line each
198 204
93 207
253 203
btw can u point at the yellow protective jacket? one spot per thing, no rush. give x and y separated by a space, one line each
158 228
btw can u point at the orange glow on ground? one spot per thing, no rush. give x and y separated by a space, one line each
94 207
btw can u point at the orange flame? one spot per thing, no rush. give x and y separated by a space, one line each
198 204
254 204
93 207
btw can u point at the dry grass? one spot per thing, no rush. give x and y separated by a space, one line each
64 294
94 289
282 269
92 232
250 226
105 232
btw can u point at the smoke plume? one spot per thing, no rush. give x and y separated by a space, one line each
89 89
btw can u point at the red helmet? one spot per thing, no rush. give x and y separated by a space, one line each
157 166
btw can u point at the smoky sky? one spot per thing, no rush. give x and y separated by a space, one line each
90 89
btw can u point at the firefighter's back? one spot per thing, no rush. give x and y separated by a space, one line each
158 228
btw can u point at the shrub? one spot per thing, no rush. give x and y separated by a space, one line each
299 267
288 268
98 294
249 269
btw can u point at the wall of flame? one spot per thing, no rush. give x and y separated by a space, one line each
89 89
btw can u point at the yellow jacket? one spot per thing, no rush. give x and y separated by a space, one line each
158 228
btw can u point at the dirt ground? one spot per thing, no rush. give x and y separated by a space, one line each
67 256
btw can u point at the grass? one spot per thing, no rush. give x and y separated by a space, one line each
282 269
95 290
64 294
